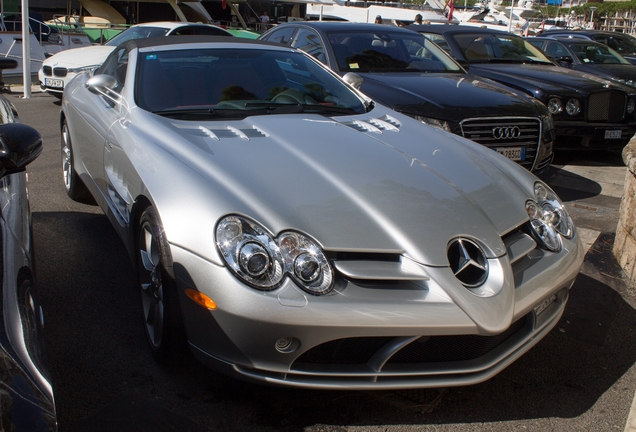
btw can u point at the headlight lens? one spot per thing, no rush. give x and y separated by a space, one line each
81 69
573 107
441 124
262 261
548 218
555 106
631 104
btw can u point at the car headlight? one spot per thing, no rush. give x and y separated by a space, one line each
573 107
262 261
548 218
631 104
441 124
555 105
81 69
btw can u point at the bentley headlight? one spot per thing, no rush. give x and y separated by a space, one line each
555 105
573 107
549 220
441 124
262 261
631 104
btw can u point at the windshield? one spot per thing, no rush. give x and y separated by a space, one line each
498 48
596 53
136 33
624 44
239 82
388 51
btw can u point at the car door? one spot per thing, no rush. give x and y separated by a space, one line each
92 118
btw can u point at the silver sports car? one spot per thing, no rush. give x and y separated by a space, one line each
296 233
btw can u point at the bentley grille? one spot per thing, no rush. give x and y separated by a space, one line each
606 106
522 133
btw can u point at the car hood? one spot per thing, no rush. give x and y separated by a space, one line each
618 71
451 96
549 79
77 57
380 182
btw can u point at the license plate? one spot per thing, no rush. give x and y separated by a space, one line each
613 134
543 306
513 153
50 82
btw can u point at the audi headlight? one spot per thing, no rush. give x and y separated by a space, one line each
262 260
573 107
441 124
555 105
549 220
631 104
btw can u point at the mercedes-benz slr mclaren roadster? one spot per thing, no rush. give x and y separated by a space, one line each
296 233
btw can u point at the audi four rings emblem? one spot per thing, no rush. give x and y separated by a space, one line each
506 132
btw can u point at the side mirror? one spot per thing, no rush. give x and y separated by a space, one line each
8 63
353 79
19 146
99 84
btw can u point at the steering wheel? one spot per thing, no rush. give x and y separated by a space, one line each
294 96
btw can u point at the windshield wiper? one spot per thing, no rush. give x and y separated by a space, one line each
508 60
286 108
208 112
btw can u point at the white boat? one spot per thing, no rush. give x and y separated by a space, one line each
367 11
43 42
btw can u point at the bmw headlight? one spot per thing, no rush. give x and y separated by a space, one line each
441 124
262 261
573 107
549 220
555 105
631 104
81 69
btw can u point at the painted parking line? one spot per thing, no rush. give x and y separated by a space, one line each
630 426
588 237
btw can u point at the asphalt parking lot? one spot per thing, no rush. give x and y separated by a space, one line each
580 377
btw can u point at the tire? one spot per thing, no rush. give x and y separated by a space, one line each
163 323
75 187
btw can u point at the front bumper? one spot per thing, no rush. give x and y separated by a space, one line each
582 135
370 337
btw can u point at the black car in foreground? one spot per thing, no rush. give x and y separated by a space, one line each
624 44
589 112
26 395
587 56
405 71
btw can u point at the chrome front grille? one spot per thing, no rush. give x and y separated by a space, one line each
606 106
506 132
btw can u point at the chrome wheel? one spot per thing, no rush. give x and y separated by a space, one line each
163 323
67 159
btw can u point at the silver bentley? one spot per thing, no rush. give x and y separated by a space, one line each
289 230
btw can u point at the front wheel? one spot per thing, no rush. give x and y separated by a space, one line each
163 324
75 187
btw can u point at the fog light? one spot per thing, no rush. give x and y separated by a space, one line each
287 344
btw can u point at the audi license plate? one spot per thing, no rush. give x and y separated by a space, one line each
613 134
513 153
50 82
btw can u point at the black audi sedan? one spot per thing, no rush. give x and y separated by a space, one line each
587 56
589 112
623 43
405 71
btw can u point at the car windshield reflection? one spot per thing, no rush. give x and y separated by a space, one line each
237 83
386 51
492 48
